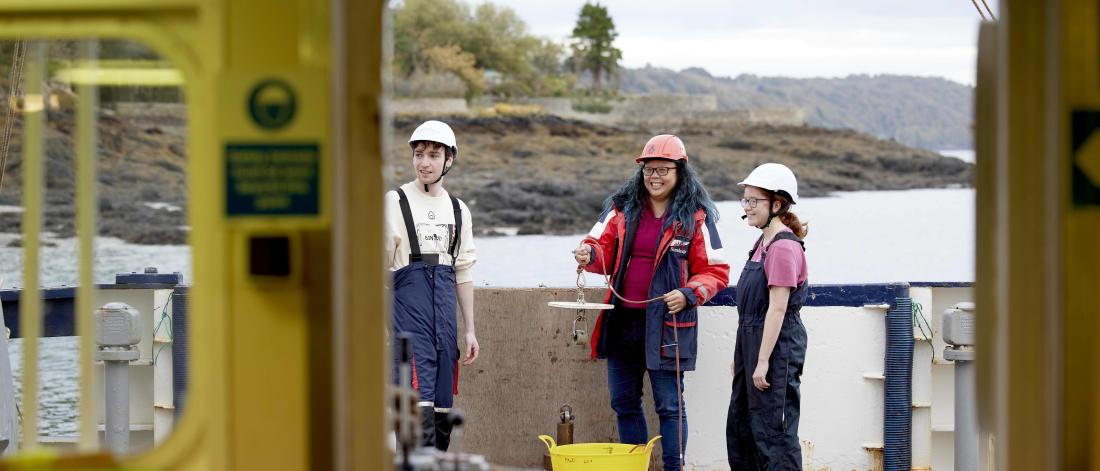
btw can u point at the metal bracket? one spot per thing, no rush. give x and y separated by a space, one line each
580 336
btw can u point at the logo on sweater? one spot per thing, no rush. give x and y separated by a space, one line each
431 215
679 246
435 238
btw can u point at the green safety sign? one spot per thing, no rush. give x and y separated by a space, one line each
1085 161
272 179
272 104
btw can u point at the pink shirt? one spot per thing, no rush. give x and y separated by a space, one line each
785 264
639 271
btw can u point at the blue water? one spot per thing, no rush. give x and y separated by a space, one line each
58 261
855 237
57 380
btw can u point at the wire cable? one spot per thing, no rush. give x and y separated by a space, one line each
918 319
991 16
980 12
15 90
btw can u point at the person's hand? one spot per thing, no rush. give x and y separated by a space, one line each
675 300
583 254
472 349
759 378
733 367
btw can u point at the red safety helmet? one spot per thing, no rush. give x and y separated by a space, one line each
665 146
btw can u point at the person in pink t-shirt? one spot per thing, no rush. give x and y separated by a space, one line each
770 350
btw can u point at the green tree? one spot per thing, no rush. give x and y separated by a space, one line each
454 60
593 48
549 80
498 38
422 24
488 47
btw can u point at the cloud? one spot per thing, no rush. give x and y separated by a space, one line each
798 38
803 53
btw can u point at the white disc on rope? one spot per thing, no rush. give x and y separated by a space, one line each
580 306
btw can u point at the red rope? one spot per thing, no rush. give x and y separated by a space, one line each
679 395
675 338
607 279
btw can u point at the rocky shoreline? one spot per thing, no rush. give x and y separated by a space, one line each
140 170
534 174
548 175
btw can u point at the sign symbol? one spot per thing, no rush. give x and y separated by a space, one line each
1088 158
272 104
1085 162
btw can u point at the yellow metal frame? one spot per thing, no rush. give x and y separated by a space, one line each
1078 41
30 313
1038 256
287 374
121 76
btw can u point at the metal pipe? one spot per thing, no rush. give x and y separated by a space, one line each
116 375
966 416
959 334
118 332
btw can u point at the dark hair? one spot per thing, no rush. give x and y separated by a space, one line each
788 218
688 196
432 145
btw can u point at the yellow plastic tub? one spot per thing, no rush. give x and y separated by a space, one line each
599 456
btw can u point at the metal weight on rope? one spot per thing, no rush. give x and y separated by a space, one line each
580 322
580 336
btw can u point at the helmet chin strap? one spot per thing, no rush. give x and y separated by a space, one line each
767 222
446 168
772 214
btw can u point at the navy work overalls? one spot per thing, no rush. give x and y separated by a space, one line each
762 426
425 306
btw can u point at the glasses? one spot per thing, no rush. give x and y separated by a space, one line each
662 171
750 203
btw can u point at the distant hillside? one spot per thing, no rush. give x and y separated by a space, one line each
932 113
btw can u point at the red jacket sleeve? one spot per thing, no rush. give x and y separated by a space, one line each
709 272
602 240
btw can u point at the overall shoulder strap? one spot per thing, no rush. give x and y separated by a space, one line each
458 229
410 228
787 236
755 245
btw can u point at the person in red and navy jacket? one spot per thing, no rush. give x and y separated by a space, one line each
658 242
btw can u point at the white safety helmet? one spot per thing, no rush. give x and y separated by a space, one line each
774 177
435 131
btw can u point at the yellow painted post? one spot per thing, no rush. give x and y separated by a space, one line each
1029 433
266 348
1080 110
1042 273
360 300
86 201
30 305
989 244
277 318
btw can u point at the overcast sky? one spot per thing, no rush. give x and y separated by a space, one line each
794 38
